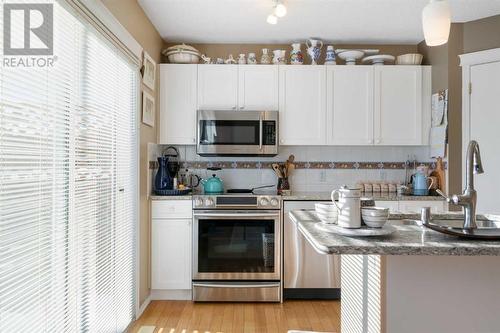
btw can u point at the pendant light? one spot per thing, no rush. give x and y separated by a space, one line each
271 19
436 21
280 9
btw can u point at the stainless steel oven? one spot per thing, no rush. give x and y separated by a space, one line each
237 133
236 251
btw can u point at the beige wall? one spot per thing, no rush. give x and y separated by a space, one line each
482 34
133 18
223 50
446 74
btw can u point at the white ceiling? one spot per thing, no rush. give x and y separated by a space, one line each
337 21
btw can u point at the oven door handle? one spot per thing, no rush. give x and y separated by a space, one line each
260 131
222 215
252 285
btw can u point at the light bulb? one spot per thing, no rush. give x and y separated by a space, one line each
280 10
271 19
436 21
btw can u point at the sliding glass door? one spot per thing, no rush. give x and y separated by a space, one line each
68 186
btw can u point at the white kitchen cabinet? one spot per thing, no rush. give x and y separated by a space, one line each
178 104
350 105
399 105
302 105
171 245
217 87
257 87
415 206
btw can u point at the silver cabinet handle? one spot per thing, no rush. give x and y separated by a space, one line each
242 215
256 285
260 131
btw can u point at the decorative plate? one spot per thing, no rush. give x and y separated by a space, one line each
379 59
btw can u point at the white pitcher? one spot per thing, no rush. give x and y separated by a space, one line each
349 206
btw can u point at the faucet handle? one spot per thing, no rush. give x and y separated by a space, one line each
441 193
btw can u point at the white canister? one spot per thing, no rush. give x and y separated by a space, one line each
349 206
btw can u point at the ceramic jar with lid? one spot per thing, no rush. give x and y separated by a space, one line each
330 56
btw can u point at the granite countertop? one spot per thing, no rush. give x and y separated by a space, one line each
325 196
320 196
407 240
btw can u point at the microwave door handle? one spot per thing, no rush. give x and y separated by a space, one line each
260 131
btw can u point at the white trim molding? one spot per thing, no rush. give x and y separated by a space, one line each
467 61
143 307
104 20
480 57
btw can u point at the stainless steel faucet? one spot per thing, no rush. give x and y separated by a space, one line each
468 198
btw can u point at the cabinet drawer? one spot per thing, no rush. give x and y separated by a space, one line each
167 209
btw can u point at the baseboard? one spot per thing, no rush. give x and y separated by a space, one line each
143 306
171 294
312 293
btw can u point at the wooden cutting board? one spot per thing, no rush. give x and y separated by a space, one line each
440 174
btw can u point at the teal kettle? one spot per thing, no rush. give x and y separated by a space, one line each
212 185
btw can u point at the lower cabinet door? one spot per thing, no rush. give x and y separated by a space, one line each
171 253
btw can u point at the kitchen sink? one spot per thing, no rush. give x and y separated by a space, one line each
488 226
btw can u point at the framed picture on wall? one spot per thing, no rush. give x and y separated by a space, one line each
148 109
149 74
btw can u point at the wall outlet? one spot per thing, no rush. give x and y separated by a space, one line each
322 176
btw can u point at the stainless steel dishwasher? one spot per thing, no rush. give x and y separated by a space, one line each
307 274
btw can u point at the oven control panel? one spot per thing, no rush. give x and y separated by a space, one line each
235 201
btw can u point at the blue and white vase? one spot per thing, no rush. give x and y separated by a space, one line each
314 50
330 56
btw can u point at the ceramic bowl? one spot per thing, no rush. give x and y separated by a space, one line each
409 59
326 207
327 218
375 212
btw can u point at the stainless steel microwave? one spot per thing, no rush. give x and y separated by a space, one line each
237 133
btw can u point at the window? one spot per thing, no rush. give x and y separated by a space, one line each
68 186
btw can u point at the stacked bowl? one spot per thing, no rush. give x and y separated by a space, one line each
327 212
375 217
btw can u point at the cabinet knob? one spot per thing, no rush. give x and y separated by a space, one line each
282 141
377 141
234 107
194 140
242 107
370 141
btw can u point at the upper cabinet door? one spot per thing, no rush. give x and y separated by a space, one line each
258 87
178 104
398 105
349 105
302 105
217 87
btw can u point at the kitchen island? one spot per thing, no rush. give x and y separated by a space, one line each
416 280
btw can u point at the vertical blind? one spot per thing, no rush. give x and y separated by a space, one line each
68 184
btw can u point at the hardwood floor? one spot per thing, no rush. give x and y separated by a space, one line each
189 317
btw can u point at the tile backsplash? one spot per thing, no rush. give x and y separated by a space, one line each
314 177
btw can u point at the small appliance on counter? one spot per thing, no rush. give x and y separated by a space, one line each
213 185
166 176
421 182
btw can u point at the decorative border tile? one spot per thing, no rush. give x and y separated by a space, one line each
298 165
